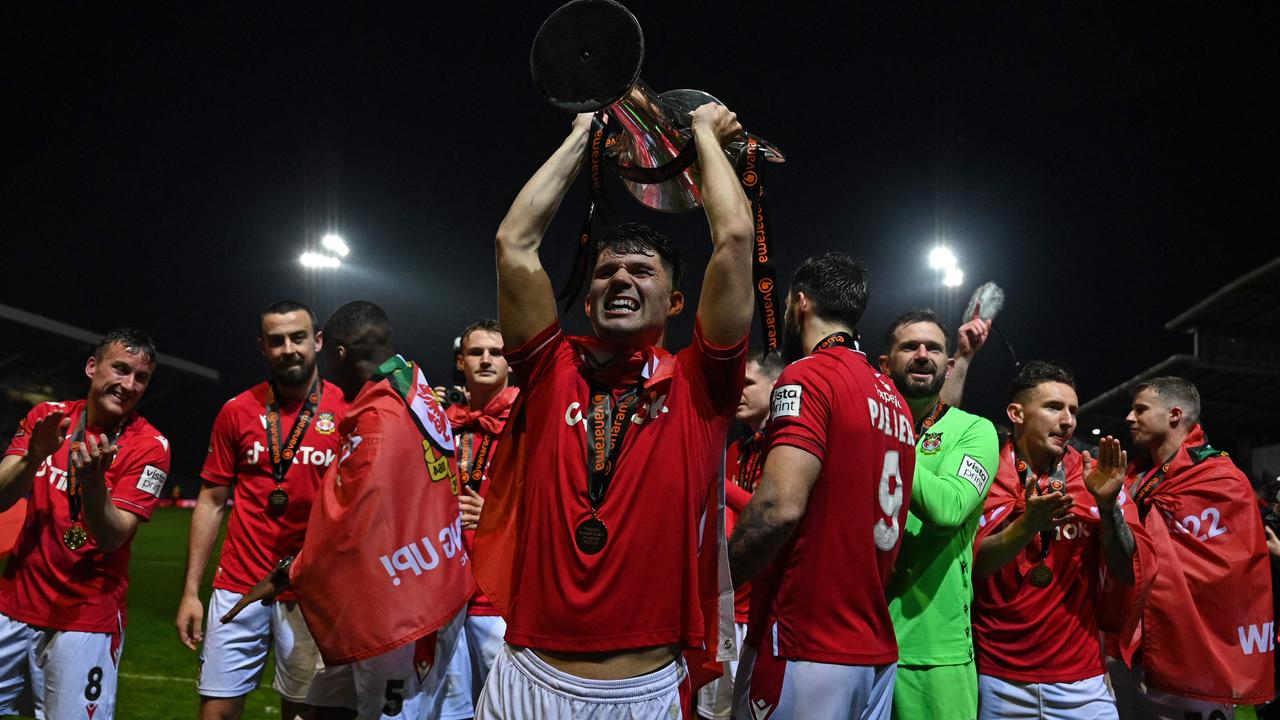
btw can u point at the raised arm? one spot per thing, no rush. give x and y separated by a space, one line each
776 507
1104 479
18 471
969 340
724 309
110 526
526 302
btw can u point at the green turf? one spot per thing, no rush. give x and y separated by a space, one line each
157 672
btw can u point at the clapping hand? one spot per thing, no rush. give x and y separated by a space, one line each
1105 477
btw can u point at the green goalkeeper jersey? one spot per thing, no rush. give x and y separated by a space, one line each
931 588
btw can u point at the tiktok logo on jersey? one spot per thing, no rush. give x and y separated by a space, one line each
306 455
57 478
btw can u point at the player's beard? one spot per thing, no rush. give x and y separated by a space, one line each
913 390
293 375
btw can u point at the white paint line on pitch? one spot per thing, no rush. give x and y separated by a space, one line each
165 678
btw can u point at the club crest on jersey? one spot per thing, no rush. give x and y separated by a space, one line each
325 424
931 443
786 400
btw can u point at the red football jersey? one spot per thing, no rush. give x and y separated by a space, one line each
741 471
239 455
824 596
50 585
641 589
1030 634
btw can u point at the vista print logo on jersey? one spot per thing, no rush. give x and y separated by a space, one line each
786 400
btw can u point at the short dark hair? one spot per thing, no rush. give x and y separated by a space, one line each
487 325
912 317
360 325
770 361
282 307
836 284
1175 391
1036 373
630 238
134 341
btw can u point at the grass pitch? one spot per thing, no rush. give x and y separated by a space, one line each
157 672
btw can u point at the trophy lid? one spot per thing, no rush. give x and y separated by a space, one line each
587 55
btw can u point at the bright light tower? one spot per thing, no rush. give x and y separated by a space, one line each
334 243
319 261
953 277
941 258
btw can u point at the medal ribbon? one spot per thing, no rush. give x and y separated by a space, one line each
606 439
594 162
475 464
837 339
282 457
763 276
1147 486
939 409
73 484
1058 474
749 460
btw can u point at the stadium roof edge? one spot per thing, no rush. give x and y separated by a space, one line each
1204 309
56 327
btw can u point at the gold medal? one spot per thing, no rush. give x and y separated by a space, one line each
1040 576
75 537
277 502
591 536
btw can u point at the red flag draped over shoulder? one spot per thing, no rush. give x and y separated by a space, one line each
1208 628
383 562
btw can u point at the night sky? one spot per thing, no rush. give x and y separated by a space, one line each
1108 166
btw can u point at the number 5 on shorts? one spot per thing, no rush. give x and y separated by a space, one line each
394 697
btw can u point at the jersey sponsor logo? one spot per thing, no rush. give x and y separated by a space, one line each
972 470
151 481
787 400
57 476
646 411
411 557
325 424
931 443
306 455
1257 638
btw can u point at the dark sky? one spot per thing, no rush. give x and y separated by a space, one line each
1108 166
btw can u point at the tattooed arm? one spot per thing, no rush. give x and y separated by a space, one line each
774 511
1104 478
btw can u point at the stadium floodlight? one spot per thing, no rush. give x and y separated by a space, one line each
318 261
1097 431
334 243
954 277
941 258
